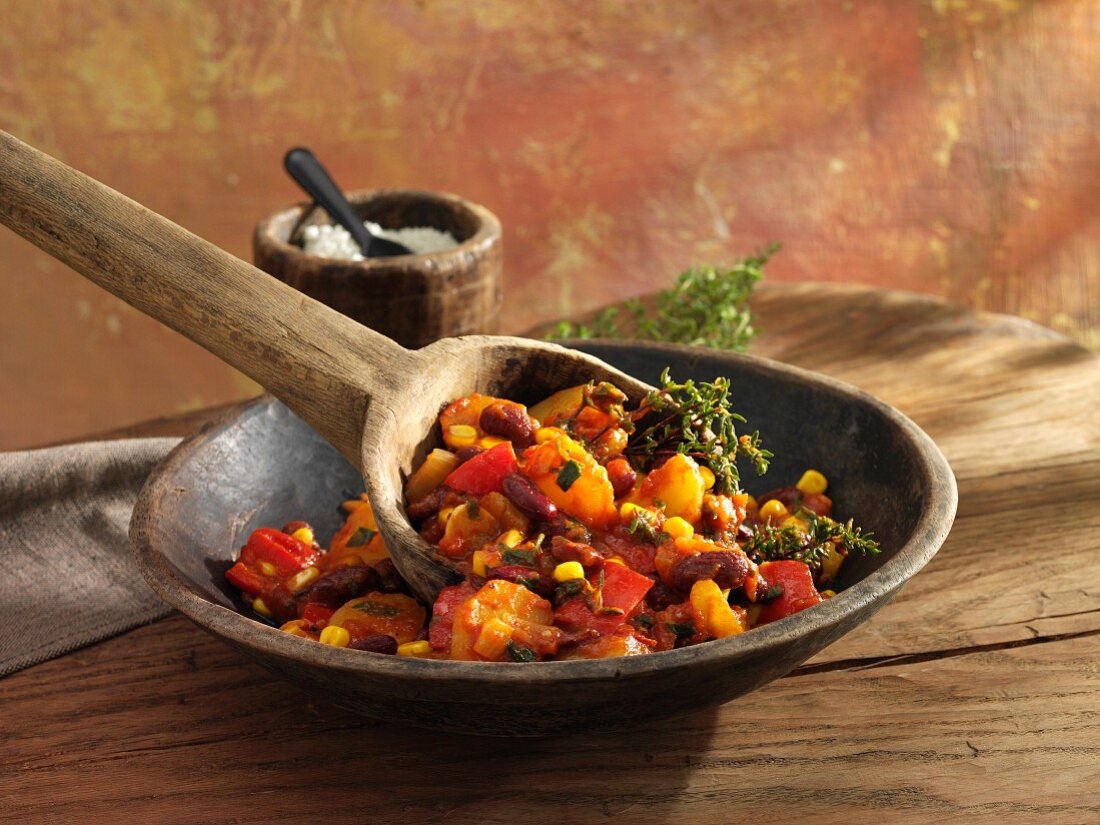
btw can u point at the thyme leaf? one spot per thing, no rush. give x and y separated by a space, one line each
812 546
695 419
364 535
707 306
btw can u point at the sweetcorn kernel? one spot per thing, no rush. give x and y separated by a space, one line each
774 510
461 435
303 579
812 482
303 534
479 563
708 477
510 538
487 441
627 510
418 648
568 570
678 528
335 636
260 606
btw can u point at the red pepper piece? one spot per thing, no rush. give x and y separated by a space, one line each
485 472
246 579
286 553
798 589
622 589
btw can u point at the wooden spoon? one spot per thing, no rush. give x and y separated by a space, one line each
375 401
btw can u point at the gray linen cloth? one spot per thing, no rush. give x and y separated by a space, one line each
64 516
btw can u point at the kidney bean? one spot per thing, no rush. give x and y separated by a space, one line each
527 497
376 643
432 531
335 588
661 596
464 454
621 475
391 581
563 549
427 506
508 421
725 569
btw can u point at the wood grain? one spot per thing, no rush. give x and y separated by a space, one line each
973 697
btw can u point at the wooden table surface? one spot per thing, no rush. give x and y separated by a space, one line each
974 696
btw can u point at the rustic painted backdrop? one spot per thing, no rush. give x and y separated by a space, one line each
943 146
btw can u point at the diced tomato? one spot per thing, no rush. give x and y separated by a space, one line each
449 600
286 553
622 589
485 472
316 615
797 582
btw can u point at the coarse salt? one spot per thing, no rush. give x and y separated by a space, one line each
328 241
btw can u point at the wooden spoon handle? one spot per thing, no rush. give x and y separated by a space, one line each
321 364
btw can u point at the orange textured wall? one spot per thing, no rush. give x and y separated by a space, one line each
945 146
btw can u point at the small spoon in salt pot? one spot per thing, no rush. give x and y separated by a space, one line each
307 171
374 401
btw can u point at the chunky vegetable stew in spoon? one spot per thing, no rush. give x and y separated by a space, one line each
583 528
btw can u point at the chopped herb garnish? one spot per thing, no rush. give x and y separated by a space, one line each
569 589
473 510
361 536
645 620
771 594
641 523
384 611
568 474
530 582
518 653
681 629
516 555
695 419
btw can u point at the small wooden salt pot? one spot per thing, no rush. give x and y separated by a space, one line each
413 299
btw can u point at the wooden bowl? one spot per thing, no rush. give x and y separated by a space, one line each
413 299
260 465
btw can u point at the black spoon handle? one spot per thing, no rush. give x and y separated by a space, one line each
308 172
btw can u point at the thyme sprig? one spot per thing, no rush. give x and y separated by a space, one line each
706 307
812 545
695 419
